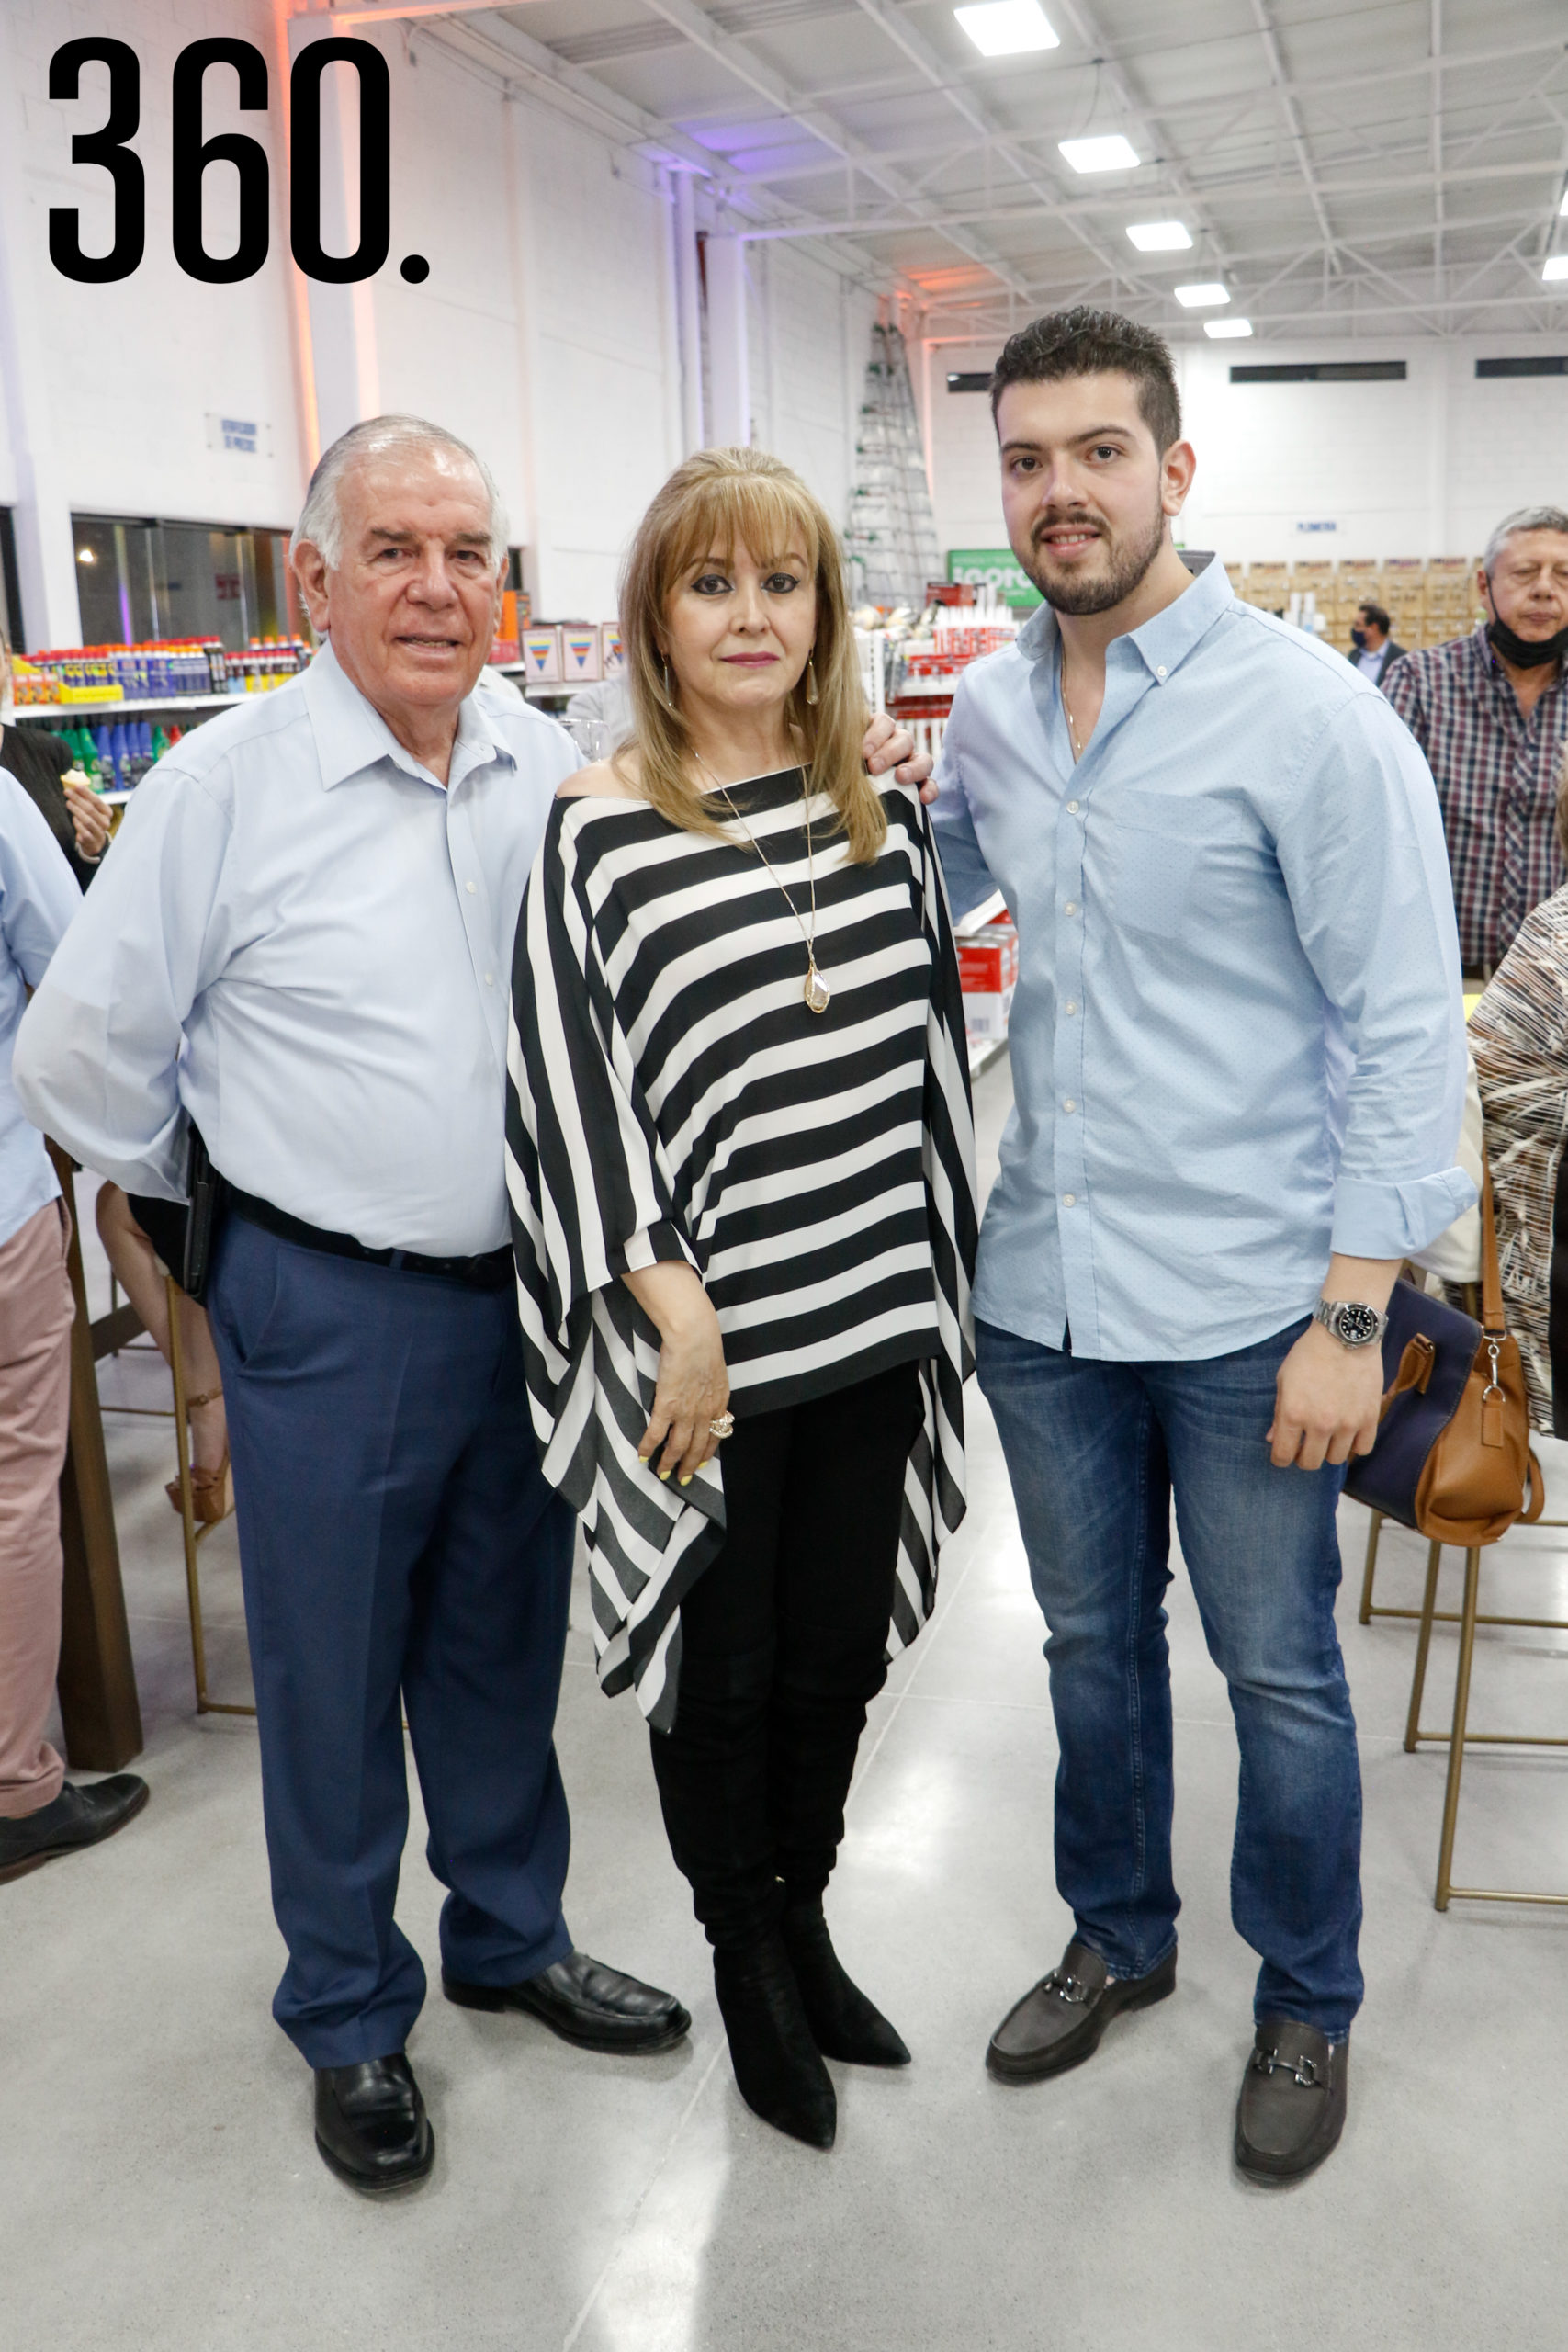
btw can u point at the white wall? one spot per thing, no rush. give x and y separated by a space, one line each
809 345
133 369
545 333
1423 467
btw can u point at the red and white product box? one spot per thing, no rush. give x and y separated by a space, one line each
987 972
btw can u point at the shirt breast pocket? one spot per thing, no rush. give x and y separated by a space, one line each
1161 844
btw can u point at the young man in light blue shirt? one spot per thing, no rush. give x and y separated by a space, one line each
1238 1064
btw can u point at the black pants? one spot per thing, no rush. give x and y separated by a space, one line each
783 1643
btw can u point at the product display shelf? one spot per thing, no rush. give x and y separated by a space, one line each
983 1052
93 713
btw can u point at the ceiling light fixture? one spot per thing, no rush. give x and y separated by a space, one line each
1556 267
1161 237
1222 329
1008 27
86 555
1112 154
1564 206
1201 298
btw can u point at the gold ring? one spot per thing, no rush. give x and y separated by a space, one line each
723 1426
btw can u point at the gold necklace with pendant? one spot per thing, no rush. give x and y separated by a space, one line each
1067 712
818 995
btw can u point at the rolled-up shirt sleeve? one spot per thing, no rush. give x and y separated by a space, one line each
1360 846
964 868
97 1053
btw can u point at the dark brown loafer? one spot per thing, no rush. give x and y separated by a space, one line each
586 2003
371 2127
1059 2023
1293 2097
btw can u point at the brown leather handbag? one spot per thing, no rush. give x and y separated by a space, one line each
1452 1457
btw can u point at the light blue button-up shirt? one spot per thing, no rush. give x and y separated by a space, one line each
1237 1039
38 895
301 940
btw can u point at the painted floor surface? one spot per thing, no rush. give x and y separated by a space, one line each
159 2188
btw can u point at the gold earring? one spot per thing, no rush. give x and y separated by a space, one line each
810 679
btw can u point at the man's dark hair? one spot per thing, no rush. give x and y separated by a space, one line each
1085 342
1376 615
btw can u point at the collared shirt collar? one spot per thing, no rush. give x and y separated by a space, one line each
1162 643
351 734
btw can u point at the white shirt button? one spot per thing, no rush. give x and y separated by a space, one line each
490 980
1071 908
1070 1200
467 885
1069 1104
1072 807
1071 1005
1160 672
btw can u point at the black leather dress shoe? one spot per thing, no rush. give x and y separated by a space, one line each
371 2127
1292 2103
1059 2023
77 1817
586 2003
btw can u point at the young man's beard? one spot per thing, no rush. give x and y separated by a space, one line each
1130 560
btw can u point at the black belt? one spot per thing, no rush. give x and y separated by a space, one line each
494 1270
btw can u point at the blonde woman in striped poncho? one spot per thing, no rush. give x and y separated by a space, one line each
742 1184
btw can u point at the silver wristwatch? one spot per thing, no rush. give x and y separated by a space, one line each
1350 1322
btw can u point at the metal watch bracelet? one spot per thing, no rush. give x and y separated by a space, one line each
1350 1321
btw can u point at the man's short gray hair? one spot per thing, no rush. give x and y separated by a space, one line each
1524 518
321 517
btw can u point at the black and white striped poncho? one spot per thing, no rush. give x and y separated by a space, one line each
671 1095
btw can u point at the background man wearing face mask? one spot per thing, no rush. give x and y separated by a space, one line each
1491 712
1373 651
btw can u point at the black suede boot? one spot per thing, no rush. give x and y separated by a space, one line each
843 2023
777 2064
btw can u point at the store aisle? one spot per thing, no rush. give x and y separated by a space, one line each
158 2183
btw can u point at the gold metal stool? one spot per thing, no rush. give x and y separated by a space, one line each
1460 1737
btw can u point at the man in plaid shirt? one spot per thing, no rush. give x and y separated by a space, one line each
1491 712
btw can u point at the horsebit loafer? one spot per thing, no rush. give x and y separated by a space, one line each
1059 2022
1293 2096
371 2127
586 2003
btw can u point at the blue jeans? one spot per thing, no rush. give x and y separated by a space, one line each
1094 1451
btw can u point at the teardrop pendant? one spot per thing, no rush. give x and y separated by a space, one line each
818 995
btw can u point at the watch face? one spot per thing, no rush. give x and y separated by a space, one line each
1357 1325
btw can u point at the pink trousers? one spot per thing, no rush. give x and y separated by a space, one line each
36 1310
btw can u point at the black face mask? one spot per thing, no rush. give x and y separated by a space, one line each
1358 639
1524 652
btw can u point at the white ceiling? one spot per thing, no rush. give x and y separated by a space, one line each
1376 170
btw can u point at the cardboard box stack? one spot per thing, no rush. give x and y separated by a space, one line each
1427 602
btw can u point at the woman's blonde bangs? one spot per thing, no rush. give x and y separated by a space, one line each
755 512
721 499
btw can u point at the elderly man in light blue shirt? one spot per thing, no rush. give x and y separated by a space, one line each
301 944
1238 1062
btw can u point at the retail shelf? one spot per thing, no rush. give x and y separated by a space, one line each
75 713
983 1052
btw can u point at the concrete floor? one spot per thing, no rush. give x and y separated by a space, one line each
159 2188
